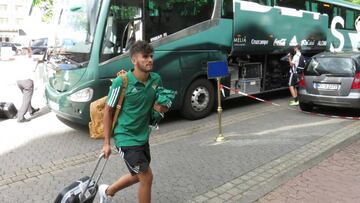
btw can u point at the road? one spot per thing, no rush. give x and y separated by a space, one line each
265 146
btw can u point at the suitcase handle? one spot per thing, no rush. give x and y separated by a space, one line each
101 156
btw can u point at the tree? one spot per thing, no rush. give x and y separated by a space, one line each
355 1
46 7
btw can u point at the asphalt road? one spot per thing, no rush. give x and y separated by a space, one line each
41 157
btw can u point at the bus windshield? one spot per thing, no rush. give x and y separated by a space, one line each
75 29
124 26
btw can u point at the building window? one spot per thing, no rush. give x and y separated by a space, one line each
3 7
4 21
19 21
19 7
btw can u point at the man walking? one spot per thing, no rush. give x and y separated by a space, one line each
131 131
293 80
26 85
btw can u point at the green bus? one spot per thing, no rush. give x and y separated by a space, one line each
251 36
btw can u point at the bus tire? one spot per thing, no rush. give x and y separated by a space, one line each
199 100
305 107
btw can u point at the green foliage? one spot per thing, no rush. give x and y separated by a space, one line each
46 7
183 7
354 1
123 13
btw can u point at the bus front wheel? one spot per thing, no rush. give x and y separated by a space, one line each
199 100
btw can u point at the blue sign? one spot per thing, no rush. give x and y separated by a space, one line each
217 69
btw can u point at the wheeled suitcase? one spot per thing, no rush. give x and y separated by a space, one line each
7 110
83 190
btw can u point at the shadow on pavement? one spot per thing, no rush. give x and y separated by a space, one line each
233 103
3 119
332 111
43 111
73 125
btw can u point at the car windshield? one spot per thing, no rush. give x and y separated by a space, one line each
75 28
40 42
333 66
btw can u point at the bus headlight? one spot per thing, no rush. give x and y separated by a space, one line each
83 95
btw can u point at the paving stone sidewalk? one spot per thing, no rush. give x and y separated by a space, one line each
336 179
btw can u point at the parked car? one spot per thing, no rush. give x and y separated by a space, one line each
20 48
331 79
6 50
39 46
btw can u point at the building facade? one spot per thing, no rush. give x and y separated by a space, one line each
13 14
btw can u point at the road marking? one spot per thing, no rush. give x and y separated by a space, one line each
292 127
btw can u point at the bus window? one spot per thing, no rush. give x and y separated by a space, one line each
123 27
325 8
296 4
350 20
227 9
262 2
166 17
307 5
314 7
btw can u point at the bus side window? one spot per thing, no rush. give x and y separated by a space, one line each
325 8
227 9
262 2
314 7
296 4
307 5
350 20
167 17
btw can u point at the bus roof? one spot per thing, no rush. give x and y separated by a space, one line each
342 3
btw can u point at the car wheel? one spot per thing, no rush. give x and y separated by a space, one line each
199 100
305 106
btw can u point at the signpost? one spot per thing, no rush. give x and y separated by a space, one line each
218 70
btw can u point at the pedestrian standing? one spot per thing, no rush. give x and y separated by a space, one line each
293 79
29 50
131 131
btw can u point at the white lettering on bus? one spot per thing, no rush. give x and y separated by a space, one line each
307 42
158 37
293 41
322 43
259 42
337 34
280 42
240 40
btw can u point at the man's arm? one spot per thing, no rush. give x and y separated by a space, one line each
108 119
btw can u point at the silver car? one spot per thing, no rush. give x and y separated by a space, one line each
331 79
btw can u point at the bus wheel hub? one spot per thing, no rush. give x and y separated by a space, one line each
200 99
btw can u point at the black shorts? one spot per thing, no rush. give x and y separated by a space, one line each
294 79
137 158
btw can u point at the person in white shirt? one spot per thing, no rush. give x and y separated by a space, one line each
293 79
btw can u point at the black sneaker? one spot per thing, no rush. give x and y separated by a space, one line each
34 111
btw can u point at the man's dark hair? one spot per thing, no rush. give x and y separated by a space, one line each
141 47
298 47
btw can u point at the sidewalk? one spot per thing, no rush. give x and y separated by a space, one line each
335 179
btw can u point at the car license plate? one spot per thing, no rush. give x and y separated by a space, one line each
326 86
